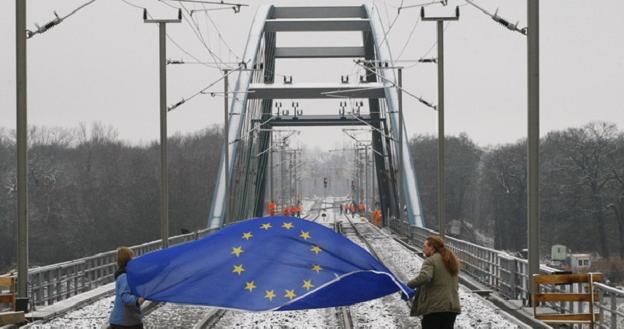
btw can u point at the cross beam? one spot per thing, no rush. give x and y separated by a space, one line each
319 120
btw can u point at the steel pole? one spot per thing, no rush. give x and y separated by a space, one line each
401 191
162 64
226 137
533 140
366 190
164 180
440 108
441 135
272 165
22 156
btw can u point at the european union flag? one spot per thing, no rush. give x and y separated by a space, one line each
262 264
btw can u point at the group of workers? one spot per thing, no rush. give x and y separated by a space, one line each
347 208
352 208
294 210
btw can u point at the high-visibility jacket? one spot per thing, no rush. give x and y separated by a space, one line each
272 207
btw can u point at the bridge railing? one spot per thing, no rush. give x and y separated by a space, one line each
52 283
507 275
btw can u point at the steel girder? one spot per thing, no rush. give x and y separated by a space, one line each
260 51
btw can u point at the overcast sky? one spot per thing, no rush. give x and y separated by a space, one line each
101 65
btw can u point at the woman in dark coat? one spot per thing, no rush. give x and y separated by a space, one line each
438 299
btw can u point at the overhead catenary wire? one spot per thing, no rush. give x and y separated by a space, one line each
420 99
221 3
170 38
184 100
443 2
409 38
236 10
500 20
423 59
56 21
219 33
391 24
197 31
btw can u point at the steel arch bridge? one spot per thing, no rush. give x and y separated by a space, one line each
251 115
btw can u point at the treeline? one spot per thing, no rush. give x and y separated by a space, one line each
581 188
90 192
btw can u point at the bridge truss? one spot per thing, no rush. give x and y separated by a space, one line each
251 117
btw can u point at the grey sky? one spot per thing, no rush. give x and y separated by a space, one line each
101 65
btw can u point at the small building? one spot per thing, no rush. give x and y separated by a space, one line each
558 252
580 262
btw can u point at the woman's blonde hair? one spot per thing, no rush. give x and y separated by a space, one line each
450 260
124 255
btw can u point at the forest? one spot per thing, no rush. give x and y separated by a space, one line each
91 192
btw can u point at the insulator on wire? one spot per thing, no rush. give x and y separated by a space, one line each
173 107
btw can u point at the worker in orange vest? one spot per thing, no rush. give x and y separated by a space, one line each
272 207
377 217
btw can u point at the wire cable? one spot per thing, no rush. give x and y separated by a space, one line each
435 43
219 34
184 100
409 38
391 24
170 38
197 31
56 21
420 99
500 20
422 4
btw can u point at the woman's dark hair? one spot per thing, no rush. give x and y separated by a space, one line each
450 260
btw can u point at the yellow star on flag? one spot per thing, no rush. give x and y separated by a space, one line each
290 294
270 294
250 286
247 235
237 250
288 225
238 269
315 249
266 226
307 284
305 235
316 268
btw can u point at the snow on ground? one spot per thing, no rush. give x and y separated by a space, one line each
175 316
308 319
92 316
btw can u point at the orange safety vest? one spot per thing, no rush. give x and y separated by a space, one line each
377 217
272 207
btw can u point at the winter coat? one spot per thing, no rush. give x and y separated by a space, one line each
437 288
126 311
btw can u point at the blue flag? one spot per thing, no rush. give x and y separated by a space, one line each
270 263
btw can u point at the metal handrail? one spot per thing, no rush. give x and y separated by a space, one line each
507 274
55 282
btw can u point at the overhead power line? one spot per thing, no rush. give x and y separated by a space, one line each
443 2
420 99
184 100
196 31
500 20
214 3
235 8
170 38
54 22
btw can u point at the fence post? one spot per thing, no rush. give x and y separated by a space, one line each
614 314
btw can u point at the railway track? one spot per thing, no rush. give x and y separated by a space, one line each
210 320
